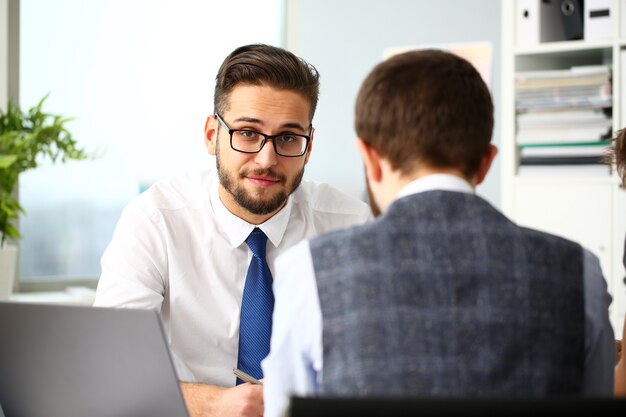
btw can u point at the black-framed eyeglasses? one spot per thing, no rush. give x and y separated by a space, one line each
250 141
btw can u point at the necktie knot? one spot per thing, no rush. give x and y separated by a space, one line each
257 242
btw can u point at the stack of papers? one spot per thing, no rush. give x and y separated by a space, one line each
582 153
563 126
586 87
564 119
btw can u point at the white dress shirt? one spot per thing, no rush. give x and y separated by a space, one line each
295 362
178 250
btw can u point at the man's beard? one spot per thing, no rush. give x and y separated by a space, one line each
370 197
247 201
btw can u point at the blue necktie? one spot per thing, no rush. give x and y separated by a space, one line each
255 326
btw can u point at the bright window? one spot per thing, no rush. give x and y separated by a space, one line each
138 77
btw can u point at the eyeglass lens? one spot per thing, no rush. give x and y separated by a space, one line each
250 141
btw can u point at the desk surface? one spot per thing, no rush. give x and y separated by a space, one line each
71 295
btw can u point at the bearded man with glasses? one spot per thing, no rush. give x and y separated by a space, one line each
200 248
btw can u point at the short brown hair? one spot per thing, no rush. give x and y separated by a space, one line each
260 64
618 154
426 107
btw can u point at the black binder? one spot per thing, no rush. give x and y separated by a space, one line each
572 13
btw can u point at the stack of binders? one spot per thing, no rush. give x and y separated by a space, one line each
542 21
564 118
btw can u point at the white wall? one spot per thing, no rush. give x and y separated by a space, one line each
9 51
345 39
4 51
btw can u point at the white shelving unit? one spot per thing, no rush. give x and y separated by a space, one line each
584 208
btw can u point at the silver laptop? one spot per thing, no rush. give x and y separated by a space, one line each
79 361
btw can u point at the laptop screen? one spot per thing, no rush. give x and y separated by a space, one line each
79 361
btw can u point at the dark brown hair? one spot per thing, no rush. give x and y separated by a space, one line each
618 154
260 64
426 107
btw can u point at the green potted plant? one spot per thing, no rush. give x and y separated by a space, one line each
27 138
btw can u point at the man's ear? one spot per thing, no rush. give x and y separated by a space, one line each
371 160
485 163
210 134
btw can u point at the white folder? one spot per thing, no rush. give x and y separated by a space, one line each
598 21
537 21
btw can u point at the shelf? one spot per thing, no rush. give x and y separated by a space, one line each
559 180
557 58
582 203
565 47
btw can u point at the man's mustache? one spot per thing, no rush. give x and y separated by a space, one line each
268 173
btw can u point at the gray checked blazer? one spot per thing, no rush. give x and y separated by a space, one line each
442 295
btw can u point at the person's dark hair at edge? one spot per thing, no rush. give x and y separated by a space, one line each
618 154
260 64
426 107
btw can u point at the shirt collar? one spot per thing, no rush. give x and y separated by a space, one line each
237 229
432 182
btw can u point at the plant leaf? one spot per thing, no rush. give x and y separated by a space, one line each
7 160
26 139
